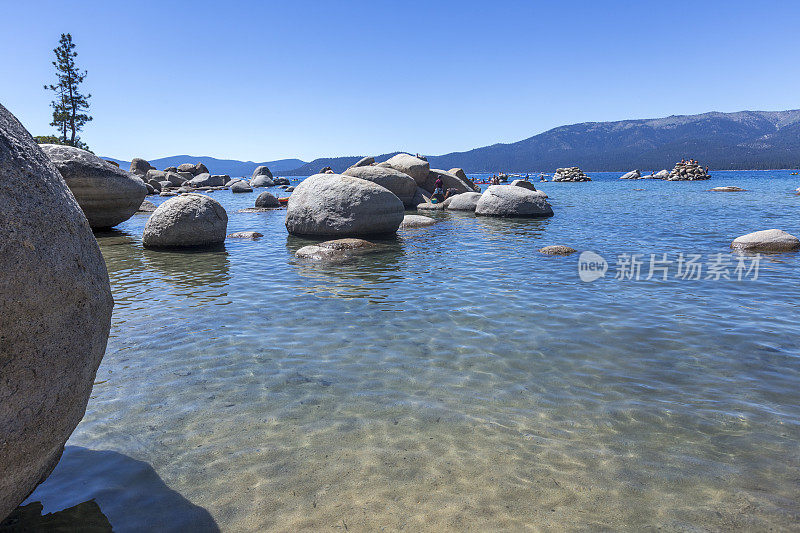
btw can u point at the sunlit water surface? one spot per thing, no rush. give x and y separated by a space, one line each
458 380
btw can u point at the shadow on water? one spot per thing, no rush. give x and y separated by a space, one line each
91 488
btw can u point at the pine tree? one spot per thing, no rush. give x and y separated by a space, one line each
69 105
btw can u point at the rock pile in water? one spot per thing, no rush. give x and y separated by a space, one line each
688 171
570 174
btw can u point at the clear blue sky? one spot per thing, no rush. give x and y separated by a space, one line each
268 80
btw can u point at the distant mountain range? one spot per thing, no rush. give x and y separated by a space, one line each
231 167
724 141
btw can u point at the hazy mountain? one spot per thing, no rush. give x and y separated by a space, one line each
742 140
230 167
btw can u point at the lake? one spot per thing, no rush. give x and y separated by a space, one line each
459 379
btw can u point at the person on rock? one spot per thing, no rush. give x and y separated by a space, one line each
438 190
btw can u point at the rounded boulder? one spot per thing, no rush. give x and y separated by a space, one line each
337 205
106 194
402 185
57 300
768 240
408 164
512 201
188 220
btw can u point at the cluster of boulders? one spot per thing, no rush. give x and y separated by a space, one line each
56 303
688 171
570 174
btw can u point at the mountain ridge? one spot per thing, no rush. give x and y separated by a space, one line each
741 140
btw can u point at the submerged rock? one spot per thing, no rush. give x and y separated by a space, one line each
557 249
408 164
510 201
769 240
729 188
186 221
417 221
245 235
56 303
400 184
106 194
337 250
333 204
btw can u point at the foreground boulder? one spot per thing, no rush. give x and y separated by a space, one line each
337 205
106 194
186 221
402 185
511 201
467 201
408 164
57 307
769 240
570 174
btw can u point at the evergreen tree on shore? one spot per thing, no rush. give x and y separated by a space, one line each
69 106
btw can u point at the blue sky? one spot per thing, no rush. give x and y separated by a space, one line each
268 80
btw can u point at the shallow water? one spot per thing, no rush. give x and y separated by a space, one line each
459 380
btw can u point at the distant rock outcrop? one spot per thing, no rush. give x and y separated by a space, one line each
688 171
570 174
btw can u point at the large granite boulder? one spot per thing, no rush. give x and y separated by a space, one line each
459 172
187 220
337 205
768 240
402 185
408 164
262 180
450 181
524 184
207 180
632 175
467 201
106 194
511 201
661 174
267 200
140 167
570 174
364 162
174 178
261 171
56 306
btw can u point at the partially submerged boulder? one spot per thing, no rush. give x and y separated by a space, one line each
267 200
408 164
511 201
187 220
240 187
56 306
262 180
337 250
467 201
337 205
632 175
106 194
252 235
769 240
402 185
557 249
417 221
728 188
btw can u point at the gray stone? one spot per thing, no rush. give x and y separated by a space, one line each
364 162
632 175
402 185
524 184
155 175
464 202
450 181
459 172
408 164
281 181
106 194
333 204
240 186
186 167
206 180
729 188
266 199
150 189
337 250
146 207
557 249
261 180
185 221
176 179
155 185
56 303
140 167
164 184
510 201
770 240
661 174
261 171
417 221
185 175
429 206
421 196
253 235
572 174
